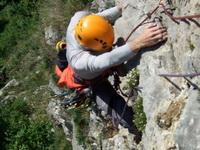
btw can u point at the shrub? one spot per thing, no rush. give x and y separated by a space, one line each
18 20
60 142
20 132
140 119
132 79
81 121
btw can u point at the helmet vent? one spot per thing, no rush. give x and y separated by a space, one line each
79 37
104 44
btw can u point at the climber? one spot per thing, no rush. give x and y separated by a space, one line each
90 56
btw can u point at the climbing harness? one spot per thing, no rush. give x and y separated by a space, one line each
80 92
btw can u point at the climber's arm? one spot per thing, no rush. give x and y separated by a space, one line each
112 14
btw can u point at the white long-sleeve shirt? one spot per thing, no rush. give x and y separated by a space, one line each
90 65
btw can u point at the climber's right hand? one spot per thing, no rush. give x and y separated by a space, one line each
150 35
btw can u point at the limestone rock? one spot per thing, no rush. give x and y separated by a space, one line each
12 83
171 104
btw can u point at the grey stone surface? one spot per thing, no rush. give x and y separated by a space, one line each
187 135
171 105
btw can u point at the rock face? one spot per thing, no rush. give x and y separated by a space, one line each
11 96
171 104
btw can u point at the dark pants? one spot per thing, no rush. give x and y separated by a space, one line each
108 100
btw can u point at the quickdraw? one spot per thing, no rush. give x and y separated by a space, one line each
80 98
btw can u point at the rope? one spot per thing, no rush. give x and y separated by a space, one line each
178 18
124 109
166 12
148 16
180 75
64 93
184 76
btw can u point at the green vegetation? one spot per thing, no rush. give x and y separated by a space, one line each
140 119
109 5
132 79
140 116
19 131
60 142
18 21
25 56
81 121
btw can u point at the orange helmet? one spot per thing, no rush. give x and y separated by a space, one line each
60 45
95 32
